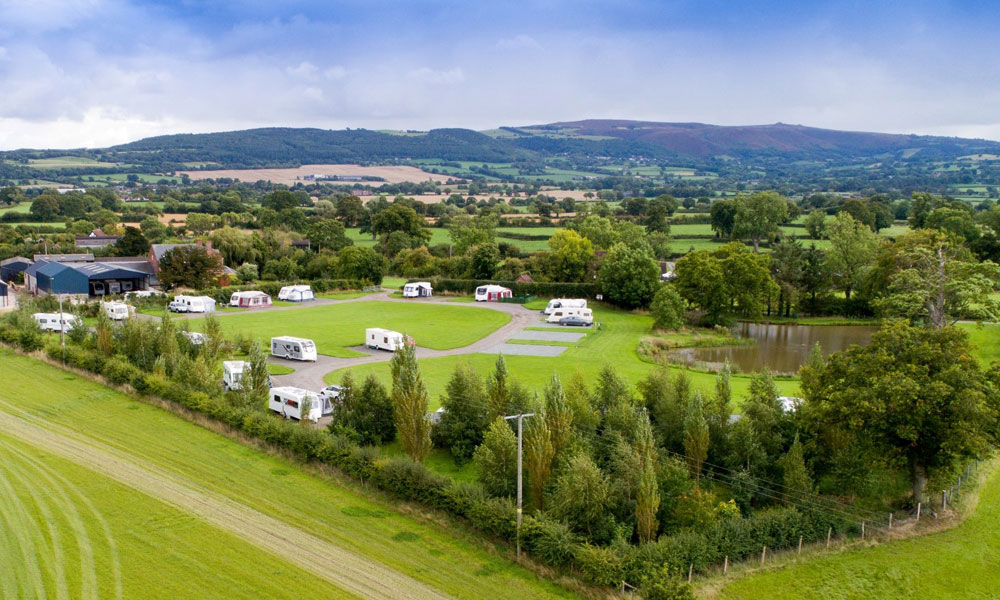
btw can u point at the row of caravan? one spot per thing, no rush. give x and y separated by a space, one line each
287 401
296 348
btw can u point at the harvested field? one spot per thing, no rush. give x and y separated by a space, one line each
391 174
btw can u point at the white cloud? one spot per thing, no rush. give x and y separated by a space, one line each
305 70
519 42
428 75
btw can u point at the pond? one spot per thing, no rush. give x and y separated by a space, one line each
780 348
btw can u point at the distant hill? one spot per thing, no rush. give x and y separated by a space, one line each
691 143
701 140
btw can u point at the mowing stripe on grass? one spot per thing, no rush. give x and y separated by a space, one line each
360 576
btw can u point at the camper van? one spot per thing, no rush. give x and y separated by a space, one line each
57 321
492 293
564 303
296 293
251 299
561 313
417 289
116 311
192 304
293 348
289 401
384 339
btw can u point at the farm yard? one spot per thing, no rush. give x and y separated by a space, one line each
149 495
336 328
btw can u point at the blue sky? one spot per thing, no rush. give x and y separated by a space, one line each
97 72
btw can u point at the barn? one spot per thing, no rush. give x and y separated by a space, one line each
10 267
88 279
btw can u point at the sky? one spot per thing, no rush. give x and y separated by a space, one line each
92 73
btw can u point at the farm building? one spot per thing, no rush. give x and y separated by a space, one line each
417 289
6 295
10 267
86 279
296 293
251 299
492 293
96 239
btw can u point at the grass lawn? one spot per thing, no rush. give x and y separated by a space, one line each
394 282
22 208
169 554
958 563
342 295
986 339
336 327
614 344
88 533
275 369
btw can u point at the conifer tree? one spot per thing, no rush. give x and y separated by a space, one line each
409 402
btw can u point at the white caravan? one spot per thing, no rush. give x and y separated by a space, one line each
564 303
418 289
116 311
192 304
296 293
232 373
561 313
293 348
384 339
57 321
289 402
194 337
492 293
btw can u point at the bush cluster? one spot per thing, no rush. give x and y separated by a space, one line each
540 289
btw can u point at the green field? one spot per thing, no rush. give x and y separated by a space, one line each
336 327
985 338
614 344
166 552
22 208
65 162
958 563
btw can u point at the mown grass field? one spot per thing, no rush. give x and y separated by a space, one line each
70 532
336 327
169 555
615 344
958 563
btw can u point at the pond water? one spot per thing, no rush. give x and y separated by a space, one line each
780 348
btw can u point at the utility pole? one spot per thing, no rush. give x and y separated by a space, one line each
520 438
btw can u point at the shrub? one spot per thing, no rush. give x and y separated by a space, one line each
119 371
410 481
495 516
600 565
549 539
664 584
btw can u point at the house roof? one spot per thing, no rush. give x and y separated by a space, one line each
15 260
87 257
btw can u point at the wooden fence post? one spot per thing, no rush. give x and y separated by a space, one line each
763 556
800 545
725 566
862 530
944 500
690 572
919 506
890 520
829 533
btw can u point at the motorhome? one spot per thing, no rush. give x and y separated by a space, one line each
251 299
116 311
293 348
192 304
417 289
492 293
560 313
564 303
57 321
384 339
295 403
296 293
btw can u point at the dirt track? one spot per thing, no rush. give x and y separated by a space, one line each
346 570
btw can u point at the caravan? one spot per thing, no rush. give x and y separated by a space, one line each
57 321
251 299
584 314
296 293
564 303
492 293
116 311
384 339
192 304
293 348
417 289
295 403
232 373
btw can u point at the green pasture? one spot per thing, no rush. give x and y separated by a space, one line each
957 563
336 327
615 344
68 162
22 209
172 555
